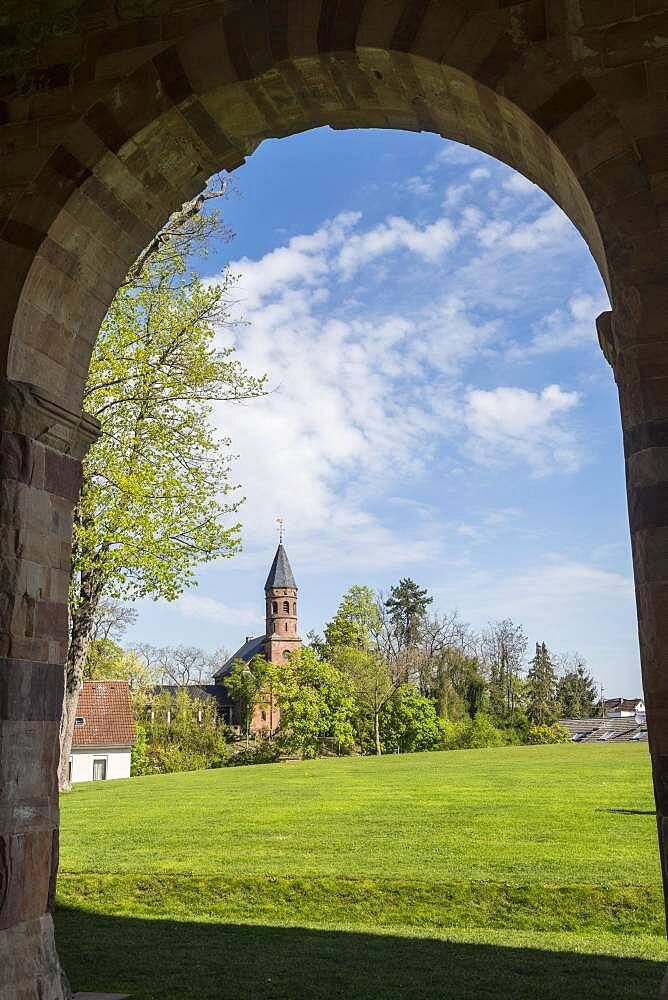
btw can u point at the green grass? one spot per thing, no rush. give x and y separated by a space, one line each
518 860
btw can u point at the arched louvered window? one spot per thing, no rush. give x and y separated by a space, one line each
286 607
294 607
274 607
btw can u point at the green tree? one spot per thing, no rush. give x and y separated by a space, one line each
373 685
106 660
409 723
541 687
459 685
139 753
576 692
153 499
316 702
407 607
248 685
480 733
356 622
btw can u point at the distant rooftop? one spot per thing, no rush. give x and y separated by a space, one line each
106 713
600 730
622 704
252 647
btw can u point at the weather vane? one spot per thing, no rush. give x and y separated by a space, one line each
279 522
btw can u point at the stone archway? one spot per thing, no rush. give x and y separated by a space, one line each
116 112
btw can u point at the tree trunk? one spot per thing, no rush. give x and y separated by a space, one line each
376 732
82 622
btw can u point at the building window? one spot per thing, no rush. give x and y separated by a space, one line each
294 607
79 721
286 607
264 716
286 653
274 607
286 626
100 769
69 771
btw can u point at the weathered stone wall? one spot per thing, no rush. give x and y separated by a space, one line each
114 111
40 450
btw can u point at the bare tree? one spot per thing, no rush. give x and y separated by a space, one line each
183 229
179 665
111 620
503 648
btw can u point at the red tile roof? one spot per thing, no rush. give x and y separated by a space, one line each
106 708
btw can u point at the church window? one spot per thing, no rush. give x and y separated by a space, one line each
274 607
286 653
286 626
286 607
294 607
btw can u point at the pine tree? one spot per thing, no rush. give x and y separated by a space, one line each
407 606
577 693
542 703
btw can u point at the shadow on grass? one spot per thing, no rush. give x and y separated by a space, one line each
633 812
171 960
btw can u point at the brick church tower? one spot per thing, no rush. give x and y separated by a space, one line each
280 639
280 591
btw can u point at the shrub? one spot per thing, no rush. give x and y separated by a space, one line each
264 751
548 734
172 758
451 733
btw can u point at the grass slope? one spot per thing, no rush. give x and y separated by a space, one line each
552 814
342 859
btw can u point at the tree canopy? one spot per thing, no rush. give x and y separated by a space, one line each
157 498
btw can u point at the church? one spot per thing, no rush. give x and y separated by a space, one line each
281 637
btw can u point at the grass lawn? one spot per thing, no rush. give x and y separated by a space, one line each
472 874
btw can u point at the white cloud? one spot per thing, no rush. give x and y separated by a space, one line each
480 173
547 229
489 524
456 154
572 327
396 233
368 392
454 194
510 424
207 609
302 260
519 184
419 186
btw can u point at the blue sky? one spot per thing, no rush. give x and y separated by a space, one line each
440 406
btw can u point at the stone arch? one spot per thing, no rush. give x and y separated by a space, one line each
115 116
163 130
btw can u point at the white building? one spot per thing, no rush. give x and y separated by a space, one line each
625 708
104 732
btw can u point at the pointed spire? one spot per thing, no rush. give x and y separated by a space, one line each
280 574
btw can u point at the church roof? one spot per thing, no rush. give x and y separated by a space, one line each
198 692
280 574
250 648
